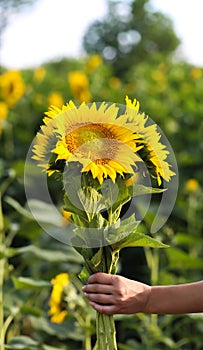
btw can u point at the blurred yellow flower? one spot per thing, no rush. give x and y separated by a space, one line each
93 62
114 82
85 96
39 74
3 110
196 73
55 99
159 76
78 80
57 312
3 114
79 84
12 87
192 185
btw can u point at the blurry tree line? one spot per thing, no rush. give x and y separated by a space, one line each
8 8
132 51
130 33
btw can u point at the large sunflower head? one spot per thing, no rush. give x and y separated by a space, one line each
101 139
154 153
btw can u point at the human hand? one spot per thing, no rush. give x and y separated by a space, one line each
114 294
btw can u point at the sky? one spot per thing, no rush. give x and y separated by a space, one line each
49 30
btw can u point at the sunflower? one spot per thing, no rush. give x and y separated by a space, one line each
55 98
12 87
103 142
56 311
153 152
79 85
90 135
192 185
3 115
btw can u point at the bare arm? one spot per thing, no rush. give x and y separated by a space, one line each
113 294
177 299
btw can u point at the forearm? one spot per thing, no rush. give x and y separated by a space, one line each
113 294
178 299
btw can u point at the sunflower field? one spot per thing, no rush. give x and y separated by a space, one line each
41 301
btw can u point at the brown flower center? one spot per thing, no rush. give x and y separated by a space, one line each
94 141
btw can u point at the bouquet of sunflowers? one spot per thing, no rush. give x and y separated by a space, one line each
103 153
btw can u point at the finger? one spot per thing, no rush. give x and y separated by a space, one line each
104 299
100 277
97 288
104 309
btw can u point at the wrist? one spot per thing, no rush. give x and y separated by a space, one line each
159 301
147 297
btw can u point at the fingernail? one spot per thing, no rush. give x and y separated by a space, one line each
83 287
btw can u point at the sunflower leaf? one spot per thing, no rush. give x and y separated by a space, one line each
81 200
26 283
139 189
179 259
88 233
120 230
22 342
89 199
123 194
110 193
69 206
136 239
84 275
126 235
97 258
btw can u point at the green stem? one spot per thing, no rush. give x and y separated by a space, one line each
106 333
2 264
152 258
88 333
100 332
6 325
105 326
110 332
2 334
